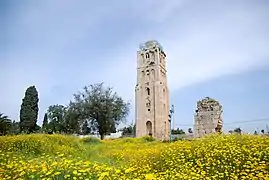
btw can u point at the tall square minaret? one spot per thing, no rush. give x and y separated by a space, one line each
151 92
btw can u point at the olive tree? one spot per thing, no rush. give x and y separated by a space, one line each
103 108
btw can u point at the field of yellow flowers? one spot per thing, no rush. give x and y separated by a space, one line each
40 156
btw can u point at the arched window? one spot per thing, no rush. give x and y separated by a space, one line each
147 76
149 128
153 74
147 55
148 91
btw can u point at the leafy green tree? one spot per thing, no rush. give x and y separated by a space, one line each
177 131
29 110
63 119
190 131
5 124
56 117
85 128
134 130
238 130
15 128
37 128
102 107
127 130
73 119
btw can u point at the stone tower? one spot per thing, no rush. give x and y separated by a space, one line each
151 92
207 117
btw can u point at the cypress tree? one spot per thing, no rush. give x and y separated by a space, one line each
45 122
29 110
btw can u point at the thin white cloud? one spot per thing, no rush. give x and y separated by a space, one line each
236 41
201 43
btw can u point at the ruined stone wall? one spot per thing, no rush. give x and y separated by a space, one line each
208 117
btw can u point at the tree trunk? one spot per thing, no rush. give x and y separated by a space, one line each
102 136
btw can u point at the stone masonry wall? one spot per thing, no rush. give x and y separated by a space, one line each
208 117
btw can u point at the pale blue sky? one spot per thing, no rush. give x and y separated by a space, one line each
214 48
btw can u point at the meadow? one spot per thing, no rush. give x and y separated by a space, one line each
40 156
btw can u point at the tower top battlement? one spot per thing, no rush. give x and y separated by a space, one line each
150 44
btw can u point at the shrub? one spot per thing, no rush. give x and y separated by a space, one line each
148 138
90 140
128 139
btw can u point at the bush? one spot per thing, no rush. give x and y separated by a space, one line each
148 138
128 139
90 140
178 139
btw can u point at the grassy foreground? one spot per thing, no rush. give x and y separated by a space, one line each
66 157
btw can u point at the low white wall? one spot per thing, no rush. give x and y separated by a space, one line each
113 135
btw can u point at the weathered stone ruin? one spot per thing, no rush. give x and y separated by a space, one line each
207 117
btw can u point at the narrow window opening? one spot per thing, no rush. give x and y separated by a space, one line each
148 91
148 109
147 55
